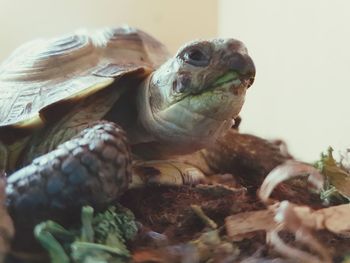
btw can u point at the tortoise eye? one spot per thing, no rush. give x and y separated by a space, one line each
197 57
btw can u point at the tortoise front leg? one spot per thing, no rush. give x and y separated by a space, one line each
243 155
165 173
93 168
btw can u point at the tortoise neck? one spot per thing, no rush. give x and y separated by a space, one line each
137 131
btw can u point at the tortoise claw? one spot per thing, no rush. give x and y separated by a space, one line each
169 173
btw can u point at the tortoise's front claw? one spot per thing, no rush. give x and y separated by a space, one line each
169 173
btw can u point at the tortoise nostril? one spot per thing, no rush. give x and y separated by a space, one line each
182 82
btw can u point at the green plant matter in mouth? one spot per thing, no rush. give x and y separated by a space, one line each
232 75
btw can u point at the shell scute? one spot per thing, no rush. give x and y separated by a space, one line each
45 72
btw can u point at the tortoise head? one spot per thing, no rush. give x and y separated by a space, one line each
193 97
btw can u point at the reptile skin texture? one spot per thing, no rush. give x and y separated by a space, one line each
93 168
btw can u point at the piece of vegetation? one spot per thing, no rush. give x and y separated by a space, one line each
101 238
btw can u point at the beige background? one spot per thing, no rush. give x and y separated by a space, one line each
173 22
302 53
301 49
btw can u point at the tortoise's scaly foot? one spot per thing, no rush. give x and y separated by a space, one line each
93 168
165 172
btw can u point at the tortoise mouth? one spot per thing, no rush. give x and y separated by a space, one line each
220 101
229 81
225 78
192 117
228 84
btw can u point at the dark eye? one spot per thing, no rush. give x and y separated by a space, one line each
197 57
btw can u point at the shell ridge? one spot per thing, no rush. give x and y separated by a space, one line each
44 72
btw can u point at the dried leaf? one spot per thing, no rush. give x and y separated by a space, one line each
336 219
336 174
290 252
288 170
239 225
147 255
301 222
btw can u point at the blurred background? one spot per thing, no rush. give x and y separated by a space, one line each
301 50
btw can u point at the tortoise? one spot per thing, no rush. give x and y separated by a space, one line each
87 115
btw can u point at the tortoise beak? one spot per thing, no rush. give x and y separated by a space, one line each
237 59
244 65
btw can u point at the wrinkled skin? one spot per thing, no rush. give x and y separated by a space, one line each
191 100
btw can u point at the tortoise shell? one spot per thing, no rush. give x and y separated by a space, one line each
43 73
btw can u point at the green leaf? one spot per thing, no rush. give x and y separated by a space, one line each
44 233
101 240
337 179
117 220
232 75
83 252
87 232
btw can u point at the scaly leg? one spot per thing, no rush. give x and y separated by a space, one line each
165 172
243 155
93 168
